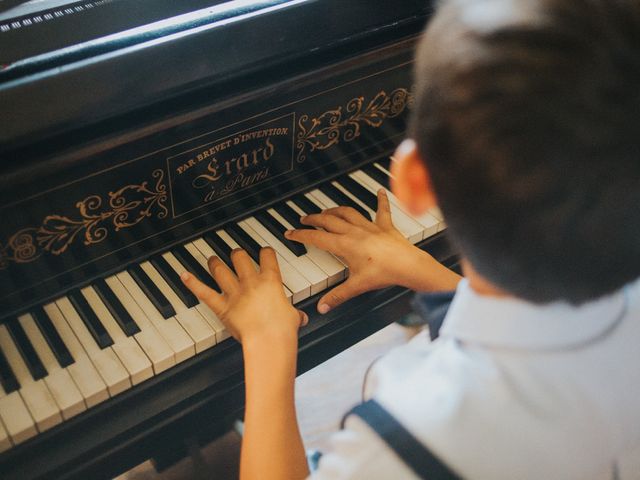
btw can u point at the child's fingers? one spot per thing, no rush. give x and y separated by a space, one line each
269 262
339 295
350 215
209 296
242 264
383 214
330 223
304 318
223 276
318 238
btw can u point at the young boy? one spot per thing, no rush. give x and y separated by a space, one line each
526 134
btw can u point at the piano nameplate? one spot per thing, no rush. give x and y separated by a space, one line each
211 171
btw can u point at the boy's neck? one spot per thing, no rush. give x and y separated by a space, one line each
479 284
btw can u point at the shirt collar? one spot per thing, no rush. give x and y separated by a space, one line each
514 323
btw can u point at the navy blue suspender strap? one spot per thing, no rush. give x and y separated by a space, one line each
429 309
415 455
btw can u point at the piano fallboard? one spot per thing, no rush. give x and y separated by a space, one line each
103 204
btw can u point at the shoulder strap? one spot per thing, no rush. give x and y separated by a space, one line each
424 463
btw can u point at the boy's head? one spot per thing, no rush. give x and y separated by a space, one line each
527 117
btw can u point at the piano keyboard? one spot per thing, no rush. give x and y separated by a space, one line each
59 359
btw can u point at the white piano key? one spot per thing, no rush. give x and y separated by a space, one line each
300 287
82 371
216 324
107 364
190 319
297 208
61 385
126 348
16 418
198 255
208 314
323 203
384 170
330 265
203 247
65 393
428 223
309 270
5 441
434 212
35 393
178 339
150 340
41 405
320 199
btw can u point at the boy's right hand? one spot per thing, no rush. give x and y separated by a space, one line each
376 254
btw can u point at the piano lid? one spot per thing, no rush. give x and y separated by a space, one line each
58 25
85 67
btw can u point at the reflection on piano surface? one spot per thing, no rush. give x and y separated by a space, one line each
133 171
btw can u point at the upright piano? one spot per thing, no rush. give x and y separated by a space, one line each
138 138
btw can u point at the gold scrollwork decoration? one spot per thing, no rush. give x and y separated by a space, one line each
328 129
127 207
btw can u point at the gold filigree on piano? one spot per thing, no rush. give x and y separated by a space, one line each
127 207
327 129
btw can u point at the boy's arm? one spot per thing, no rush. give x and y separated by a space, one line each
376 253
255 310
272 446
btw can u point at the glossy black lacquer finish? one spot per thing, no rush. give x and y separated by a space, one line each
87 195
117 149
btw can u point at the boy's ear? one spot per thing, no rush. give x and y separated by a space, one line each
411 181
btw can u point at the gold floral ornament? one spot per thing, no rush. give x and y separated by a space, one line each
127 207
329 128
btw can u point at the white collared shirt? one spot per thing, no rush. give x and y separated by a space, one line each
510 390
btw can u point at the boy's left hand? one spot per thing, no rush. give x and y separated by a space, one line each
252 303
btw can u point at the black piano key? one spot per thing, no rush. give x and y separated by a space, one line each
378 175
52 337
192 265
343 200
277 230
115 307
361 193
173 280
306 205
151 291
90 319
385 162
245 241
27 352
7 378
220 247
290 215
